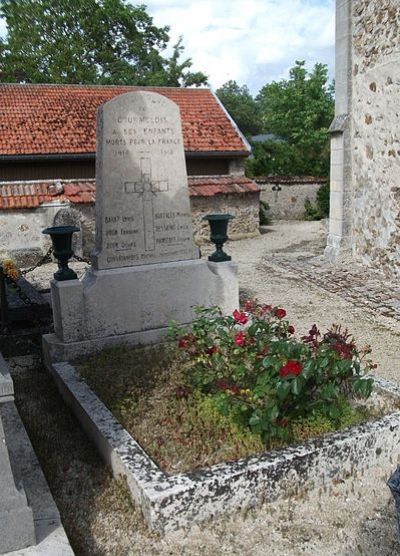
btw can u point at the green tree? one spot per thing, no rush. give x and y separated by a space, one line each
299 111
88 41
241 106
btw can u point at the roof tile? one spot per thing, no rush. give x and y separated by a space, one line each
61 119
24 195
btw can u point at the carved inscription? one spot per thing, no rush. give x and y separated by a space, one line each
143 186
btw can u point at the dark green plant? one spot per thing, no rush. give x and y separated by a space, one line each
274 158
88 41
299 111
311 211
323 199
264 216
319 209
241 106
257 373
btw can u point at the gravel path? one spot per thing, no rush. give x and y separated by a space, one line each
349 517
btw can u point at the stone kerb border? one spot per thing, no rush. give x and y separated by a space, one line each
171 502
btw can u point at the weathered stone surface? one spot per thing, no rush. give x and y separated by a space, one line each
170 502
121 302
147 271
245 209
142 201
286 200
6 383
368 89
16 519
51 539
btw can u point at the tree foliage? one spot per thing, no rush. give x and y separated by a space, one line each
88 41
299 111
241 106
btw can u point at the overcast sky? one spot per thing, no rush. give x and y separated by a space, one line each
250 41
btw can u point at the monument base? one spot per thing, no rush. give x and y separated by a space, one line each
134 305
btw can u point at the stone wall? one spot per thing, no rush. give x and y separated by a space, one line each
244 207
375 133
21 235
286 195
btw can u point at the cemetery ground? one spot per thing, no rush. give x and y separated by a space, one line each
352 516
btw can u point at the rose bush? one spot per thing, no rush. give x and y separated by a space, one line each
259 374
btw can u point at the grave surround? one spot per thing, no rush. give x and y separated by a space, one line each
146 268
17 529
172 502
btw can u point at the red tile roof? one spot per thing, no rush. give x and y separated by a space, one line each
26 195
289 180
61 119
207 186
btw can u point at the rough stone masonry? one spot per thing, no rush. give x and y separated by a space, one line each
365 147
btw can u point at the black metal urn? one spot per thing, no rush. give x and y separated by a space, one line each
219 235
61 237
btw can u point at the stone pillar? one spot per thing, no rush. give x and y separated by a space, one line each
340 218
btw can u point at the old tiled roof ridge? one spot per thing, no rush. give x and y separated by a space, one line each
289 180
56 119
206 186
32 194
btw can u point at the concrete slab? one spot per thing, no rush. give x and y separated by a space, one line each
6 383
51 538
170 502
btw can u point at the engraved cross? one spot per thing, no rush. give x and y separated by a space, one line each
147 189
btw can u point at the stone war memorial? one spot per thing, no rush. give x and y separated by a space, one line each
146 268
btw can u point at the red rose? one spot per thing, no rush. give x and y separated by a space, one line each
312 337
280 313
241 318
248 306
265 309
291 329
291 368
239 339
235 389
222 384
184 341
212 350
345 351
182 392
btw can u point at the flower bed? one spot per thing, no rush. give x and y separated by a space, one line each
255 372
179 499
236 386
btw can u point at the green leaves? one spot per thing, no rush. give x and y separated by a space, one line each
241 106
268 379
297 112
362 387
88 41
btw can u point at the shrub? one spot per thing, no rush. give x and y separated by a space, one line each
264 217
321 208
323 198
259 375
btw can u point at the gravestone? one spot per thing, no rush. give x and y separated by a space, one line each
142 202
17 529
146 268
